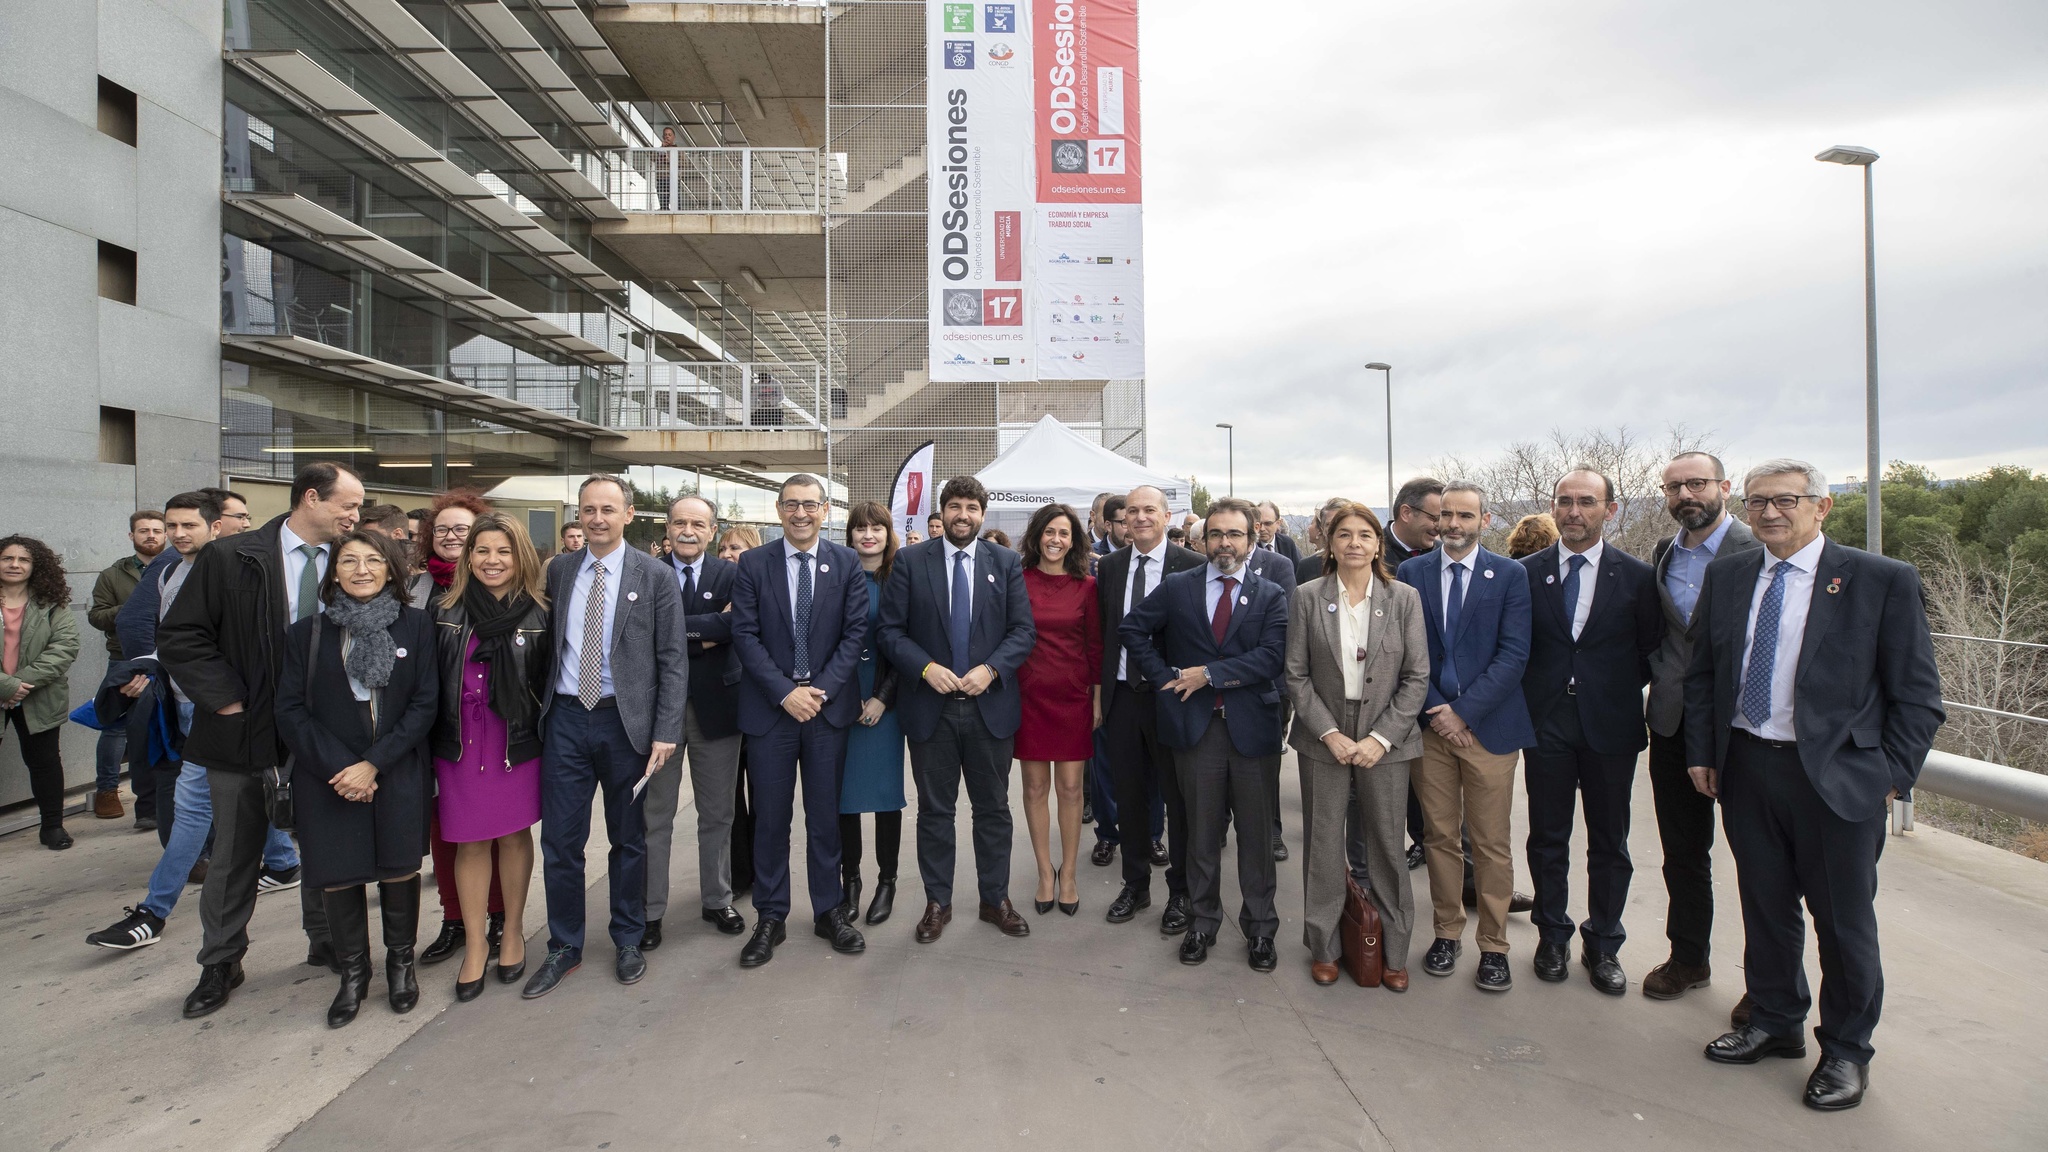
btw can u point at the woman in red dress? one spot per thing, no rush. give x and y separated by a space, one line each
1062 693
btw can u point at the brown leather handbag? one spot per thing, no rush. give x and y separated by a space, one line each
1360 933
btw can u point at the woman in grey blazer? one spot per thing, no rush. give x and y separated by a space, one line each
1357 669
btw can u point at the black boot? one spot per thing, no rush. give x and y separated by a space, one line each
348 925
495 935
399 900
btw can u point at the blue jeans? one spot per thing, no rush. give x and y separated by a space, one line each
191 824
107 757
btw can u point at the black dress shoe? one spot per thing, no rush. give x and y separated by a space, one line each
1442 957
54 837
850 887
1262 956
837 926
1604 970
1553 962
1749 1044
768 932
726 920
1414 857
511 975
494 932
1836 1084
1179 915
215 982
1159 857
554 968
1129 903
1738 1016
1520 902
1104 854
1492 975
650 937
632 965
1194 948
1279 851
447 944
884 901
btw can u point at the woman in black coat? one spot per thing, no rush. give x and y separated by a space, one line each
355 704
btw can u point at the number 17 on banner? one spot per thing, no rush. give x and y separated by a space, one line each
1106 157
1002 307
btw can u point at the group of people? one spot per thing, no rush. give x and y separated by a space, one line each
444 703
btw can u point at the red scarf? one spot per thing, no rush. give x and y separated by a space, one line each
443 571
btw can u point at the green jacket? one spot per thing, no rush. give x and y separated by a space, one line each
49 643
112 590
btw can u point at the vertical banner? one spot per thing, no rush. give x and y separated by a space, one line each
978 131
1088 235
910 499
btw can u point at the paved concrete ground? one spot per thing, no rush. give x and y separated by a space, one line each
1085 1035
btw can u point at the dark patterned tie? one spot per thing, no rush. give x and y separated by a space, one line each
802 656
1454 605
1763 650
590 654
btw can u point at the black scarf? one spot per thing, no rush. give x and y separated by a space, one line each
496 622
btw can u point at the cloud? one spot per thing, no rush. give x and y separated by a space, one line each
1569 215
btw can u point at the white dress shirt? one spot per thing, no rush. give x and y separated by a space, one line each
686 570
570 662
1354 634
952 550
790 552
1468 564
295 568
1155 571
1791 633
1584 608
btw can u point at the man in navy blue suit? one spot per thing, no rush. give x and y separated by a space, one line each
799 617
1477 607
1274 565
1811 702
1596 621
956 623
1210 643
711 727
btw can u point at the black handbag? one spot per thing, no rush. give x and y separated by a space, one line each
277 779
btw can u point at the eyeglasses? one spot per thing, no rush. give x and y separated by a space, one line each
794 506
1584 503
1231 537
1781 503
1696 485
347 563
242 516
451 531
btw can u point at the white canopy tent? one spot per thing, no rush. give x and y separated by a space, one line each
1053 464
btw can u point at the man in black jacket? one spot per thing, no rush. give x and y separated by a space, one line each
223 642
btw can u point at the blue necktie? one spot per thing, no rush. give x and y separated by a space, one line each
1453 605
1763 650
802 655
956 621
1571 596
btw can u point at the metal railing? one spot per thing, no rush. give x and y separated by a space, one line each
766 180
769 396
2014 791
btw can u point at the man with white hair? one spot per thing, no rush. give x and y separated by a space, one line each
1811 702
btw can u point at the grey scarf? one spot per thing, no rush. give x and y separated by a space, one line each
371 652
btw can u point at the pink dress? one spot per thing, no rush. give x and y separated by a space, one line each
483 796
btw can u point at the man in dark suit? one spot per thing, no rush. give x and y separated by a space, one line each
1273 535
1310 566
1271 564
1696 495
1412 531
613 709
1595 623
1810 704
956 623
1138 762
711 726
799 618
1477 607
1210 643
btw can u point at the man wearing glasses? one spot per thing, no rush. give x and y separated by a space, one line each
1696 494
1811 702
799 617
1411 531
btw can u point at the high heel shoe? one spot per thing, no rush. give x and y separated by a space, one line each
467 990
511 975
1069 908
1044 906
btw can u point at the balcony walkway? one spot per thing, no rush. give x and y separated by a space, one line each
1087 1035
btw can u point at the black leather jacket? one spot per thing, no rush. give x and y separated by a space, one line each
522 717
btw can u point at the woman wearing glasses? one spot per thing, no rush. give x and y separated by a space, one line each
1357 670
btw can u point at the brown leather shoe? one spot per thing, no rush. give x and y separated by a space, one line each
1324 974
934 922
107 805
1394 979
1006 918
1738 1017
1670 980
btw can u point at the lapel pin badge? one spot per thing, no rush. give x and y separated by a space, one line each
991 577
707 595
823 568
400 653
1333 609
1546 579
1244 599
1834 585
1489 573
1378 612
632 595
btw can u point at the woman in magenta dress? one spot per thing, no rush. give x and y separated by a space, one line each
493 628
1062 694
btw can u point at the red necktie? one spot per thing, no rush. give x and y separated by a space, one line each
1220 622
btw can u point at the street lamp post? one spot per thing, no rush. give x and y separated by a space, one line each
1230 443
1873 524
1388 369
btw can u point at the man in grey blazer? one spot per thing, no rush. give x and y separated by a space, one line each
613 712
1696 494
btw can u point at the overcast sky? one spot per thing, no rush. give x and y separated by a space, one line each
1590 213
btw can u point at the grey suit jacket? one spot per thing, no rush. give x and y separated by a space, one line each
1396 666
650 667
1666 710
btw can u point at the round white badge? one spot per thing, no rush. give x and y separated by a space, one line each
1550 579
824 568
1332 608
1489 573
400 653
519 640
707 595
632 595
991 577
